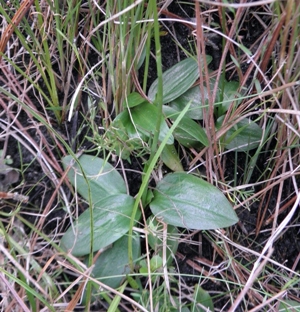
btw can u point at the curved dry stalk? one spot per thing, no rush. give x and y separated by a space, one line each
14 293
102 285
25 6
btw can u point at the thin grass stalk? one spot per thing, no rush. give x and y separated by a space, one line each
83 53
51 86
225 30
99 43
24 132
104 286
112 64
121 59
15 294
25 285
46 57
159 96
147 57
151 8
68 36
288 43
16 248
58 8
145 182
135 37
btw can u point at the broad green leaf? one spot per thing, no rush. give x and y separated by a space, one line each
241 137
184 200
156 263
144 118
123 121
134 99
230 94
289 306
188 132
112 265
103 178
194 97
222 102
177 79
171 159
111 219
202 296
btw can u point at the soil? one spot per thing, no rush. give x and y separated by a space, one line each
40 189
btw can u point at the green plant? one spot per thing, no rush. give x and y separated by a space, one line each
92 60
179 199
132 130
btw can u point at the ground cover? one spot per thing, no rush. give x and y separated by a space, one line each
149 156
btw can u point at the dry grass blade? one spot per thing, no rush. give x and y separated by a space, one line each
14 196
14 293
23 9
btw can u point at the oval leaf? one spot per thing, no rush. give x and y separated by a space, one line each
177 79
184 200
241 137
112 265
111 220
134 99
203 297
102 178
144 117
188 132
171 159
194 97
230 95
123 121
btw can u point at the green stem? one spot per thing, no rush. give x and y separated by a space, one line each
146 180
159 96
